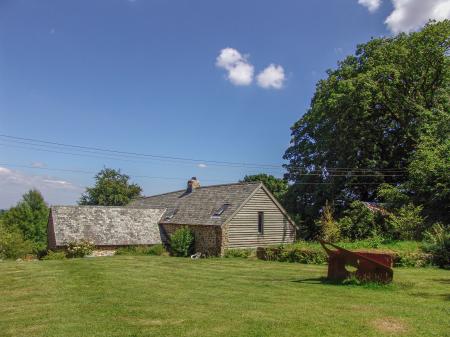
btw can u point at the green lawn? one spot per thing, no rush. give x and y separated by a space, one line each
164 296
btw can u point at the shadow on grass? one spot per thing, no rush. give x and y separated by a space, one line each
353 282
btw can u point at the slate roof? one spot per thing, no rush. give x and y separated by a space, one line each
105 226
198 207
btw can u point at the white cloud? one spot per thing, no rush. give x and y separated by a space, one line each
271 77
201 165
240 71
13 184
371 5
409 15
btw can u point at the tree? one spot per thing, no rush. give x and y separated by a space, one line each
278 187
29 217
366 119
112 188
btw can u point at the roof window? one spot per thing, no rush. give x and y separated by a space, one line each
218 212
170 214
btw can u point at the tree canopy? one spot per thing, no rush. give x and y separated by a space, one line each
276 186
112 188
369 121
29 217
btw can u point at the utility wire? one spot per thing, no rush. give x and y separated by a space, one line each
96 151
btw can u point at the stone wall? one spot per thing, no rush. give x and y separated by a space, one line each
208 239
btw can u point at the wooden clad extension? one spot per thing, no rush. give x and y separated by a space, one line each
242 231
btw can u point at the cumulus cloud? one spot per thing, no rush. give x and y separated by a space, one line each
409 15
240 71
201 165
271 77
371 5
13 184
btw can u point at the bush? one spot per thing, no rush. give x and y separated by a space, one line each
182 242
411 259
156 250
243 253
359 222
12 244
293 253
79 248
329 229
406 223
437 243
141 250
51 255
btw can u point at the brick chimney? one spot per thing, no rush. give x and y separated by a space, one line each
192 185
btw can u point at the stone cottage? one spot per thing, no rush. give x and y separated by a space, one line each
241 215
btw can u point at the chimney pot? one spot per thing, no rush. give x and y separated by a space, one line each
192 185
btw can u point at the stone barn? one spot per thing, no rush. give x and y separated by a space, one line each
241 215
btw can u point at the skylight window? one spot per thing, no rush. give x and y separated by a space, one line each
170 214
218 212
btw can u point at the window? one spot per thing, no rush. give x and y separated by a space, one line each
261 222
218 212
170 214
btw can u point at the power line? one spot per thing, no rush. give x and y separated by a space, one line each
97 152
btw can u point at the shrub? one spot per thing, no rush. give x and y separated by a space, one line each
437 243
182 242
156 250
293 253
243 253
51 255
141 250
79 248
329 229
359 222
411 259
406 223
12 244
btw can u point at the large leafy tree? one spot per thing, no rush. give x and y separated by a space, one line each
278 187
29 217
366 119
112 188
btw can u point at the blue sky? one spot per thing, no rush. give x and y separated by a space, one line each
156 77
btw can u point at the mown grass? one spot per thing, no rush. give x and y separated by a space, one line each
166 296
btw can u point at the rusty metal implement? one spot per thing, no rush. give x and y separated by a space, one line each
370 266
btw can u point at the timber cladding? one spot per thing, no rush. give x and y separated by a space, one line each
243 230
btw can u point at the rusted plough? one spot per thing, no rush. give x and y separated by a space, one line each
370 266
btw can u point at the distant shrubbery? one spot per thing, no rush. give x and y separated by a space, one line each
12 243
51 255
243 253
437 243
79 248
182 242
141 250
293 253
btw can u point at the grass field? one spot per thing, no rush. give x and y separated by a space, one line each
164 296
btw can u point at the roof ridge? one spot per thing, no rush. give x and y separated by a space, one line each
101 206
203 187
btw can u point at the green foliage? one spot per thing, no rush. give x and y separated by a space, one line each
12 243
80 248
51 255
411 259
278 187
242 253
406 223
429 176
111 189
182 242
30 217
437 243
141 250
293 253
329 228
359 222
369 115
393 197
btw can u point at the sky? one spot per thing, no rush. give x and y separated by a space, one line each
191 87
